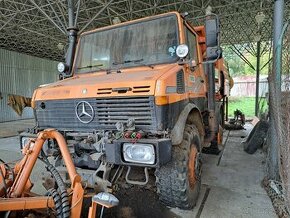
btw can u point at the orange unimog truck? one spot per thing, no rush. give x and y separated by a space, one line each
138 105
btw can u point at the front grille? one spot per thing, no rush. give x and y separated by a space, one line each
122 90
61 114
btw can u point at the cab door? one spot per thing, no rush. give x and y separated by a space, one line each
196 85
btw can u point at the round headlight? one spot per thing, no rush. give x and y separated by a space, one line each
182 50
61 67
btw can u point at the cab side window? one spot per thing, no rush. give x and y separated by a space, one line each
191 42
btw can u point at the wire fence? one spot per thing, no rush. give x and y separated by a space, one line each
284 127
278 156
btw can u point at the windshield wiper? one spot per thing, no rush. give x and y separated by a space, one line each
128 61
91 66
136 61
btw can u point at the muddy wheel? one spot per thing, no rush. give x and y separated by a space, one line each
178 182
221 124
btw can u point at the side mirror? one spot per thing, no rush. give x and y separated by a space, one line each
212 30
213 53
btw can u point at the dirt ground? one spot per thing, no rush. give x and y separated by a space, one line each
138 202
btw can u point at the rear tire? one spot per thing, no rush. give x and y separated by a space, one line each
256 137
222 117
178 182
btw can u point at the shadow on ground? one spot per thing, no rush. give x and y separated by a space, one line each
135 202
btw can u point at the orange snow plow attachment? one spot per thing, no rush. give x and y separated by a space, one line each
15 184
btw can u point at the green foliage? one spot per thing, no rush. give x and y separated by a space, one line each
246 105
239 67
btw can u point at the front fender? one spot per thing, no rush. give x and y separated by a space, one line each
178 129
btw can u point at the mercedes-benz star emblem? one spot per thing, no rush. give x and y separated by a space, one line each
84 112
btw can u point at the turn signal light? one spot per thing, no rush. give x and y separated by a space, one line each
161 100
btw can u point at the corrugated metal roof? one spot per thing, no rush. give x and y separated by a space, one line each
37 27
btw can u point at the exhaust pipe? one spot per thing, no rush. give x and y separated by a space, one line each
72 39
212 120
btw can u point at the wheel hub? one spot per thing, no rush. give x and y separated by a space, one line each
194 167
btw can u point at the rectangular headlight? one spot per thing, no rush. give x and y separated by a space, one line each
139 153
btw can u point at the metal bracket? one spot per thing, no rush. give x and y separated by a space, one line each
103 182
137 182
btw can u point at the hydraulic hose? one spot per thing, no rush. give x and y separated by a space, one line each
28 162
63 193
57 202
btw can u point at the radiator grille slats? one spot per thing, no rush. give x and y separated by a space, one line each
61 114
121 109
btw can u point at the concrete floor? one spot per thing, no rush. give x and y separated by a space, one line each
8 129
231 182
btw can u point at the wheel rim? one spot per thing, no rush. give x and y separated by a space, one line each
193 166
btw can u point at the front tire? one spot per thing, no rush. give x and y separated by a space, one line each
178 182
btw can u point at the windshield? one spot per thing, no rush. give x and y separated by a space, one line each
138 44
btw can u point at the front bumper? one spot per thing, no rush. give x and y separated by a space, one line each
162 147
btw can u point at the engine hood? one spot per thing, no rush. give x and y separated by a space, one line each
130 82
